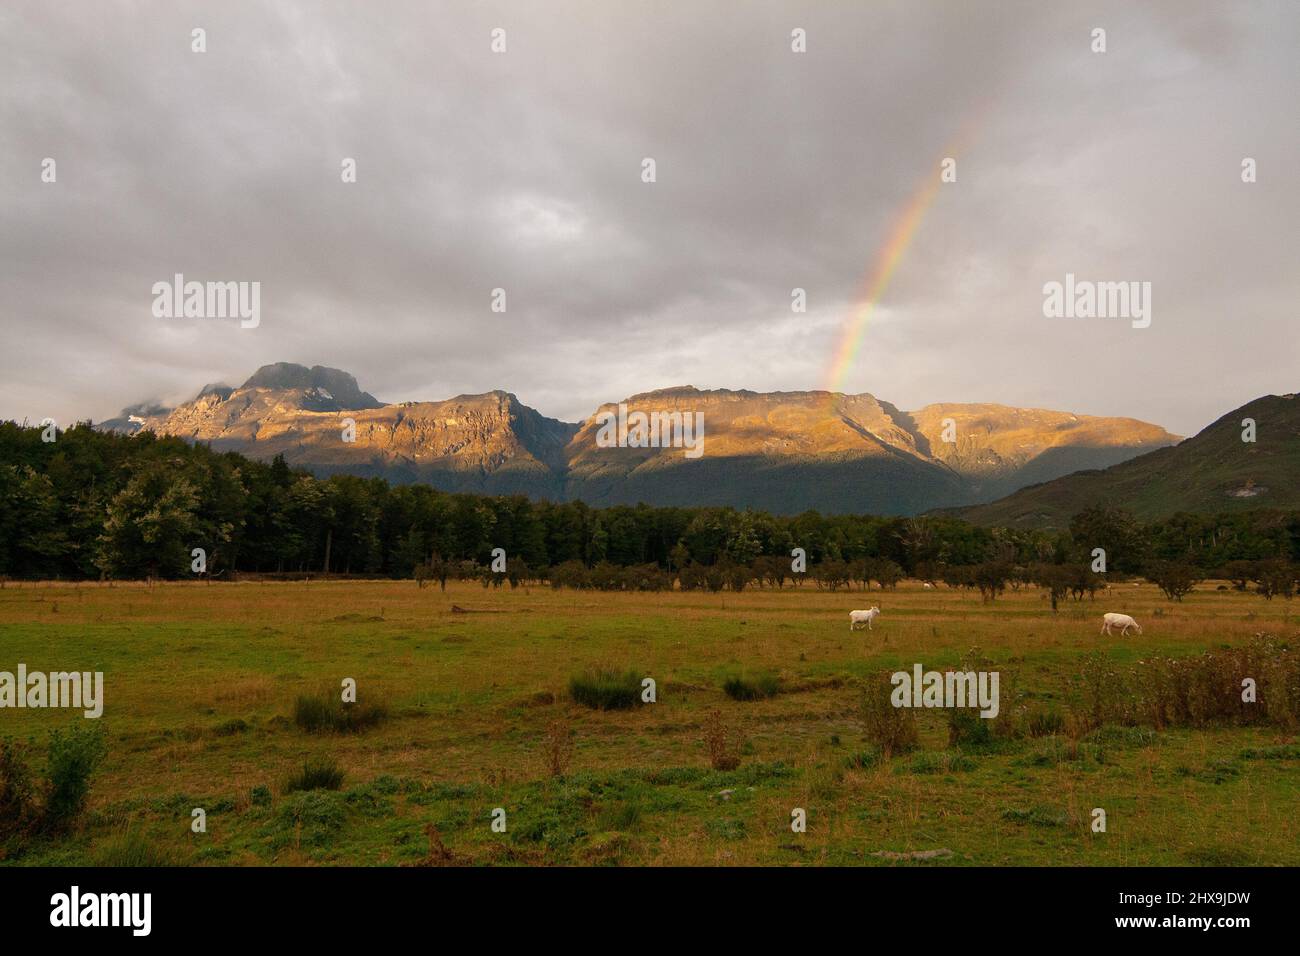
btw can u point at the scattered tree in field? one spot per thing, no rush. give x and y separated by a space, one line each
958 575
738 576
831 575
991 579
1174 578
1275 579
927 572
1239 573
886 573
1054 579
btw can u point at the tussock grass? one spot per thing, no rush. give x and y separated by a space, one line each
319 773
755 687
327 713
606 689
131 848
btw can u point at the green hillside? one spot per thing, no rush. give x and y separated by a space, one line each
1214 471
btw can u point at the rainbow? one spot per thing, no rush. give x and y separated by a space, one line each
886 262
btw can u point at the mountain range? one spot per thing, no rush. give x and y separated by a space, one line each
1248 459
783 452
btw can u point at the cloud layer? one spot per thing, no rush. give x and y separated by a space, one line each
522 170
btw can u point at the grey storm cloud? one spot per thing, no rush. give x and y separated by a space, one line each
775 170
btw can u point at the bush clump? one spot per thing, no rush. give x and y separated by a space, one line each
319 773
1045 722
606 689
18 810
327 713
760 687
966 728
73 755
890 728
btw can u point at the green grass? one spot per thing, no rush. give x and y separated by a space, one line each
131 848
202 685
758 687
606 689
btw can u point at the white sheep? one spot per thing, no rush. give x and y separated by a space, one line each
863 617
1119 620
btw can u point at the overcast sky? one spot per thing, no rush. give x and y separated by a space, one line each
775 170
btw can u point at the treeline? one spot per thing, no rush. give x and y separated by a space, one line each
1271 578
102 505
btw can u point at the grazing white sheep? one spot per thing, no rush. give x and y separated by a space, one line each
863 617
928 586
1119 620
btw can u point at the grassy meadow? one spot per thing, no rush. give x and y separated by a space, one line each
202 684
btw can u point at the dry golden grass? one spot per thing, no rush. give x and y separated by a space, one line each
471 715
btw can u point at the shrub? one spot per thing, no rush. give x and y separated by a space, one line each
570 574
647 577
17 794
738 576
892 729
723 747
967 728
319 773
73 756
739 687
559 747
327 713
1194 691
690 577
1105 695
1045 722
606 689
606 576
